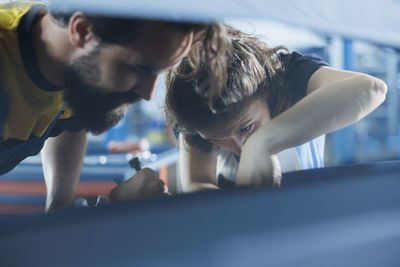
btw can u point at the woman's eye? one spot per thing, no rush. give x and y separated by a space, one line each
246 129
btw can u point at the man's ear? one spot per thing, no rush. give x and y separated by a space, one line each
80 30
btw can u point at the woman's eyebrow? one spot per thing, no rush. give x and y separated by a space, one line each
243 124
236 131
213 139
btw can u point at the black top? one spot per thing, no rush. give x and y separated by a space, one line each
299 69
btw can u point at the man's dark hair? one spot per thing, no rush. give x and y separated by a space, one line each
211 37
124 30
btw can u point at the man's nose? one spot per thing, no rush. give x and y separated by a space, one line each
145 86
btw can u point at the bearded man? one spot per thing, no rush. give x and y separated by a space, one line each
63 74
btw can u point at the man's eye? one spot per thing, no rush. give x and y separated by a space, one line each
139 71
131 68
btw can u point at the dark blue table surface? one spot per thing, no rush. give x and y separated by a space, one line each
338 216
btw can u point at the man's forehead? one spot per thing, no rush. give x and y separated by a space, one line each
159 33
158 49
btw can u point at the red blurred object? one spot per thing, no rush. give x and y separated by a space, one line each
128 146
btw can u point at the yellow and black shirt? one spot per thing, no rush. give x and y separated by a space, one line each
31 108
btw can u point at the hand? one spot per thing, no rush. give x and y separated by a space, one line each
143 184
258 167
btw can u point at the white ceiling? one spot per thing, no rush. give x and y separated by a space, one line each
377 21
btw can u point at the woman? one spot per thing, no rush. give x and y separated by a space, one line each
271 100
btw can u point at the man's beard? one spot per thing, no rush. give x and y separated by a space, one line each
93 110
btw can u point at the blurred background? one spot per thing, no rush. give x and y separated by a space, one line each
320 31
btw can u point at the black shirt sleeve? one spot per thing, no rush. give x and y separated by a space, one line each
299 69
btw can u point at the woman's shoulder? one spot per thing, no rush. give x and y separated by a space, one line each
298 69
295 59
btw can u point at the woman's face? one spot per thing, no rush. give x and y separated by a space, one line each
233 133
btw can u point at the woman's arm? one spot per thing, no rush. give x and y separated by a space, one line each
197 168
335 100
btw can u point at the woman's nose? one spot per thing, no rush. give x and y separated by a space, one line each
236 145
